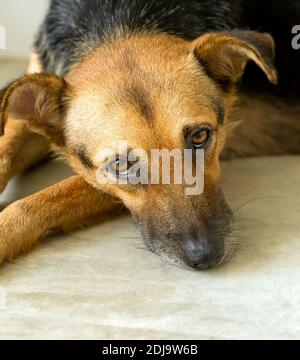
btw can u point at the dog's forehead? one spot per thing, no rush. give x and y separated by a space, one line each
151 95
153 63
141 94
139 116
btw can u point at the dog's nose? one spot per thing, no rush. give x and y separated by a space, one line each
202 256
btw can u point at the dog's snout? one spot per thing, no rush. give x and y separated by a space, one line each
202 255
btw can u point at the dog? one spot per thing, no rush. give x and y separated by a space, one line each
160 74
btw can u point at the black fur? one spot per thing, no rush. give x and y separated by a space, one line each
85 160
276 17
72 29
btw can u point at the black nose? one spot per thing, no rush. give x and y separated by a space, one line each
202 256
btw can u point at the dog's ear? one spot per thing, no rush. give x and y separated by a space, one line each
41 100
224 55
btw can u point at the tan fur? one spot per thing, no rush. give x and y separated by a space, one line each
35 65
62 207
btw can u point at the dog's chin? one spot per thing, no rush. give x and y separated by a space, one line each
170 255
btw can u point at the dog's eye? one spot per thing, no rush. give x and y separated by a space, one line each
201 138
120 166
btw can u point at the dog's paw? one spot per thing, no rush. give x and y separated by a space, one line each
18 231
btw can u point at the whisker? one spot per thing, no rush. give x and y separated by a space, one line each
251 201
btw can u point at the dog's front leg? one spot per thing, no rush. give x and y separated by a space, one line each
62 207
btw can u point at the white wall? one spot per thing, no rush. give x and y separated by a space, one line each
20 19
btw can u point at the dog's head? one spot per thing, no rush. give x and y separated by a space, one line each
155 92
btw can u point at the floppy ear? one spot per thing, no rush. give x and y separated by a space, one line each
40 100
225 55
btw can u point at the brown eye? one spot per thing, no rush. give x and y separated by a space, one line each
201 138
120 166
